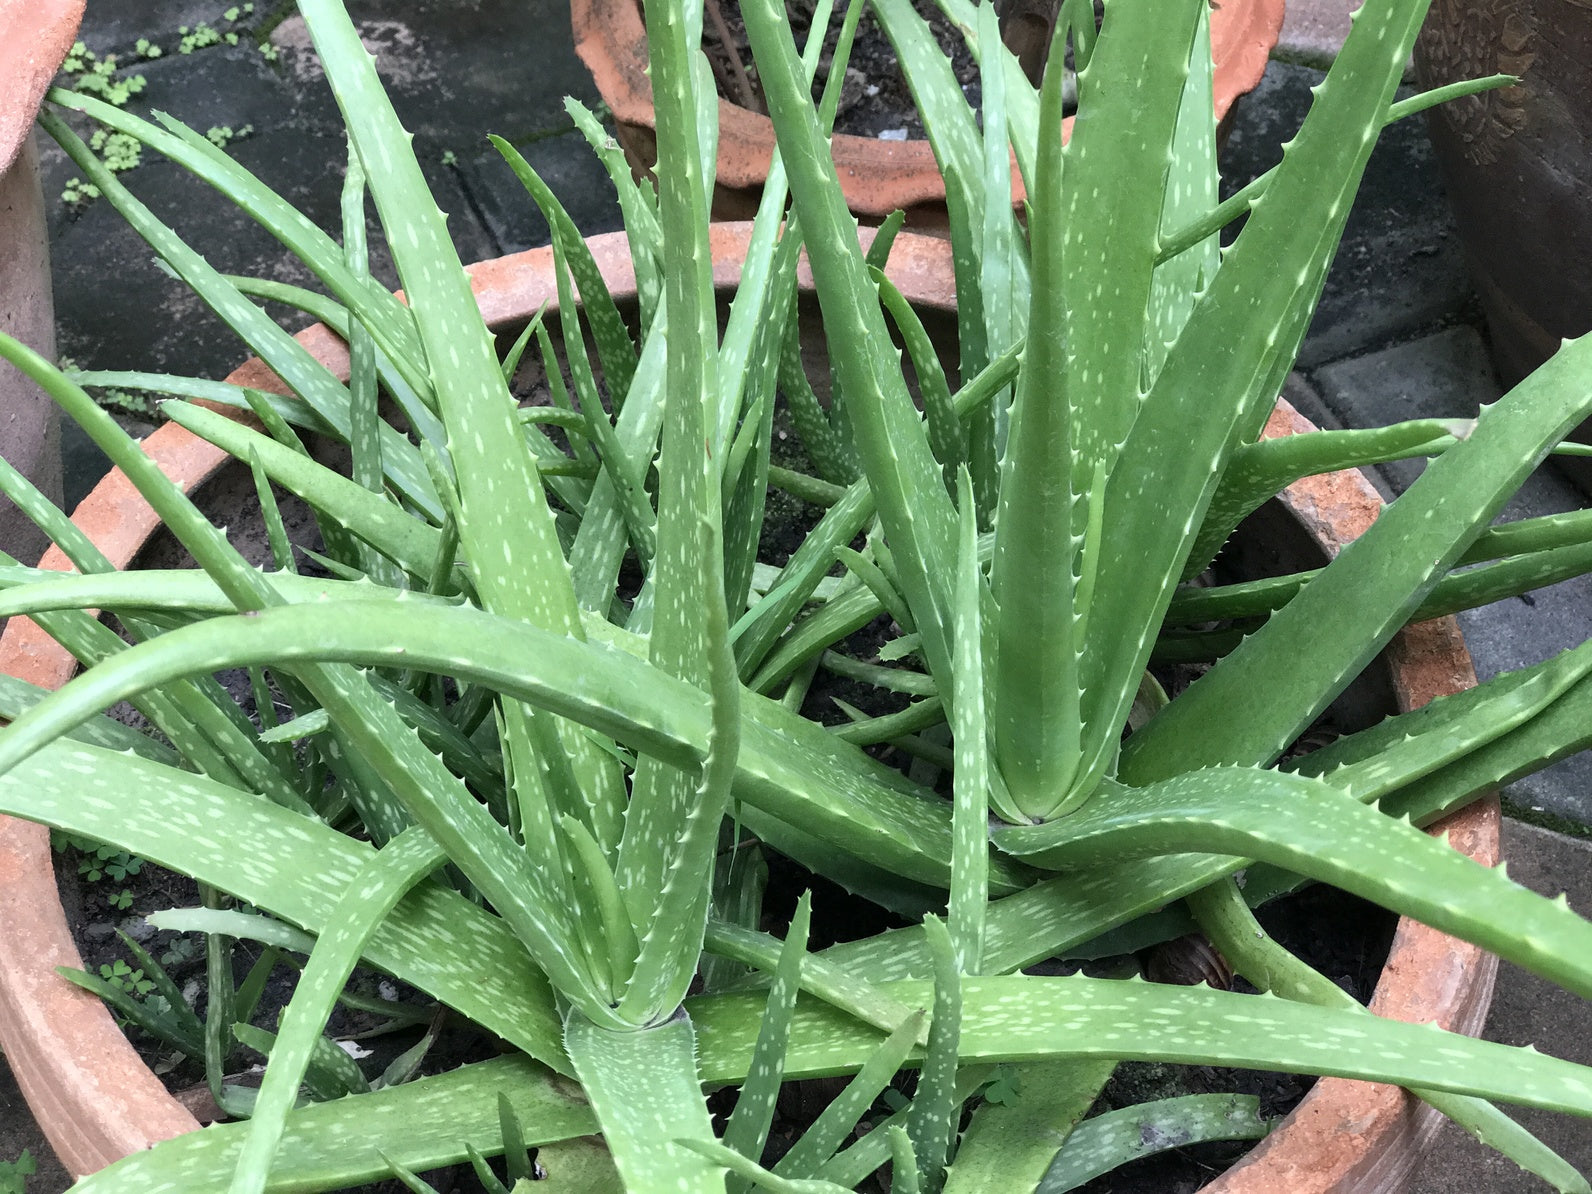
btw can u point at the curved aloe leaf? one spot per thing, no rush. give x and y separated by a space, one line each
1312 827
426 1123
1101 1144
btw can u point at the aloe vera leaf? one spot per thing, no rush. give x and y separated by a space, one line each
381 883
936 1111
672 820
1010 1145
971 778
363 418
1114 1138
959 152
429 792
1287 817
891 679
1022 1017
1190 188
792 768
1035 697
808 565
749 1172
401 463
18 696
506 516
638 204
831 452
763 281
855 1162
407 541
747 1130
306 376
877 1066
198 717
1259 471
1560 730
388 319
902 471
1214 220
599 547
614 347
422 418
818 978
803 574
163 1025
643 1085
435 940
1428 529
1229 362
1121 145
426 1122
1388 756
329 1074
946 437
1226 919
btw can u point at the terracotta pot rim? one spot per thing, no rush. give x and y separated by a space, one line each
35 36
97 1102
877 177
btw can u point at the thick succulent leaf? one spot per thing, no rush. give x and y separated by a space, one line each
1037 730
1333 629
905 478
790 767
643 1085
1115 1138
426 1123
1221 378
294 867
747 1130
1311 827
1009 1145
407 541
1023 1017
405 861
390 322
1226 918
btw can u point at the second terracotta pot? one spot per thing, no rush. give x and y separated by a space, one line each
877 177
96 1101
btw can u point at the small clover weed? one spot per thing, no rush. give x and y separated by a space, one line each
124 978
14 1174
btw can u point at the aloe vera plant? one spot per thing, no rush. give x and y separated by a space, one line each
528 780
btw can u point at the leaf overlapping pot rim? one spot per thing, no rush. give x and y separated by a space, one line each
97 1101
877 177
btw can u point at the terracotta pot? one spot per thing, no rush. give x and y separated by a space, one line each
96 1101
1517 164
877 177
34 37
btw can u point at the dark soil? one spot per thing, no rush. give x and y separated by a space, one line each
874 98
